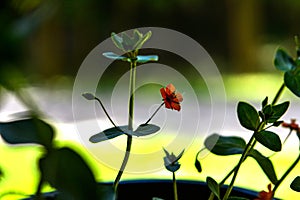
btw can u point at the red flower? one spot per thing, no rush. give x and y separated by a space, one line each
293 125
171 98
263 195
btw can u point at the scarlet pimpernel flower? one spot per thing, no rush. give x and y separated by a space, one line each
263 195
293 126
171 98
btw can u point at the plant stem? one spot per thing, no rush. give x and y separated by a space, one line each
106 113
175 187
286 174
248 147
278 94
130 123
154 113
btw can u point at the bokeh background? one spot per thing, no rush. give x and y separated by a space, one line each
43 43
47 38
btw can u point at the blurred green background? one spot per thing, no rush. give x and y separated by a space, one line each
43 42
50 38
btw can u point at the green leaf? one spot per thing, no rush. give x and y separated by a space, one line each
264 102
32 130
295 185
269 139
109 134
248 116
225 145
142 40
213 186
266 165
292 81
65 170
283 61
146 129
278 111
144 59
117 40
114 56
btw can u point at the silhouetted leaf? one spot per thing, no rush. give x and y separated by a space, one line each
225 145
248 116
295 185
283 61
213 186
142 130
292 81
89 96
264 102
146 129
26 131
65 170
269 139
278 111
266 165
109 134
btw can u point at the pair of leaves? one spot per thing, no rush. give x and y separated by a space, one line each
171 161
290 67
66 171
139 59
142 130
272 113
231 145
25 131
249 118
127 43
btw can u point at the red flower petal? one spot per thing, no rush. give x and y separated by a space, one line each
163 93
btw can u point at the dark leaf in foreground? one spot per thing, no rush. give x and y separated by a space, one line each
25 131
65 170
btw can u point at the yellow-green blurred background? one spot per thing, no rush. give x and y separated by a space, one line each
43 43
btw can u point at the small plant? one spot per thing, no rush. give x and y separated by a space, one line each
171 98
259 121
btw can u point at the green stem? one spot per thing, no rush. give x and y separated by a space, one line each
248 147
286 174
278 94
130 123
154 113
175 187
